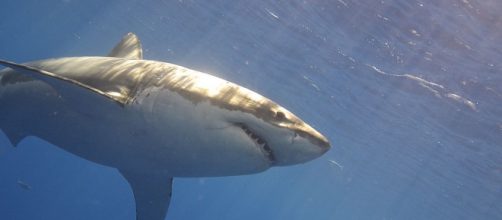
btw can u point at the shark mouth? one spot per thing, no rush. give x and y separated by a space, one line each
259 141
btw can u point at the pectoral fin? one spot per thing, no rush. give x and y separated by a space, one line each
152 193
62 83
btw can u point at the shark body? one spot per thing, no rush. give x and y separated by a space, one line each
151 120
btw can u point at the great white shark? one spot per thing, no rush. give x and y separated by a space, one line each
151 120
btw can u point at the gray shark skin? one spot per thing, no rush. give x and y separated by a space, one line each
151 120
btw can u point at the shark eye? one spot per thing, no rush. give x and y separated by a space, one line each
280 116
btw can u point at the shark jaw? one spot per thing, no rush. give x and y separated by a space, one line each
151 120
260 142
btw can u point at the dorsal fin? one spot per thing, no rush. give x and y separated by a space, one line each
129 47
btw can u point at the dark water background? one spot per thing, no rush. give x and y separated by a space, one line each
408 92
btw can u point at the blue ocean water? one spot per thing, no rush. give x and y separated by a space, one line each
408 92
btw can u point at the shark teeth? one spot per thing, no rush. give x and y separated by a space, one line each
259 141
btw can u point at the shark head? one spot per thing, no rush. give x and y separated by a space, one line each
246 132
258 122
282 137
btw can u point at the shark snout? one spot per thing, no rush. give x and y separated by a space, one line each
302 147
323 144
309 144
315 138
320 143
